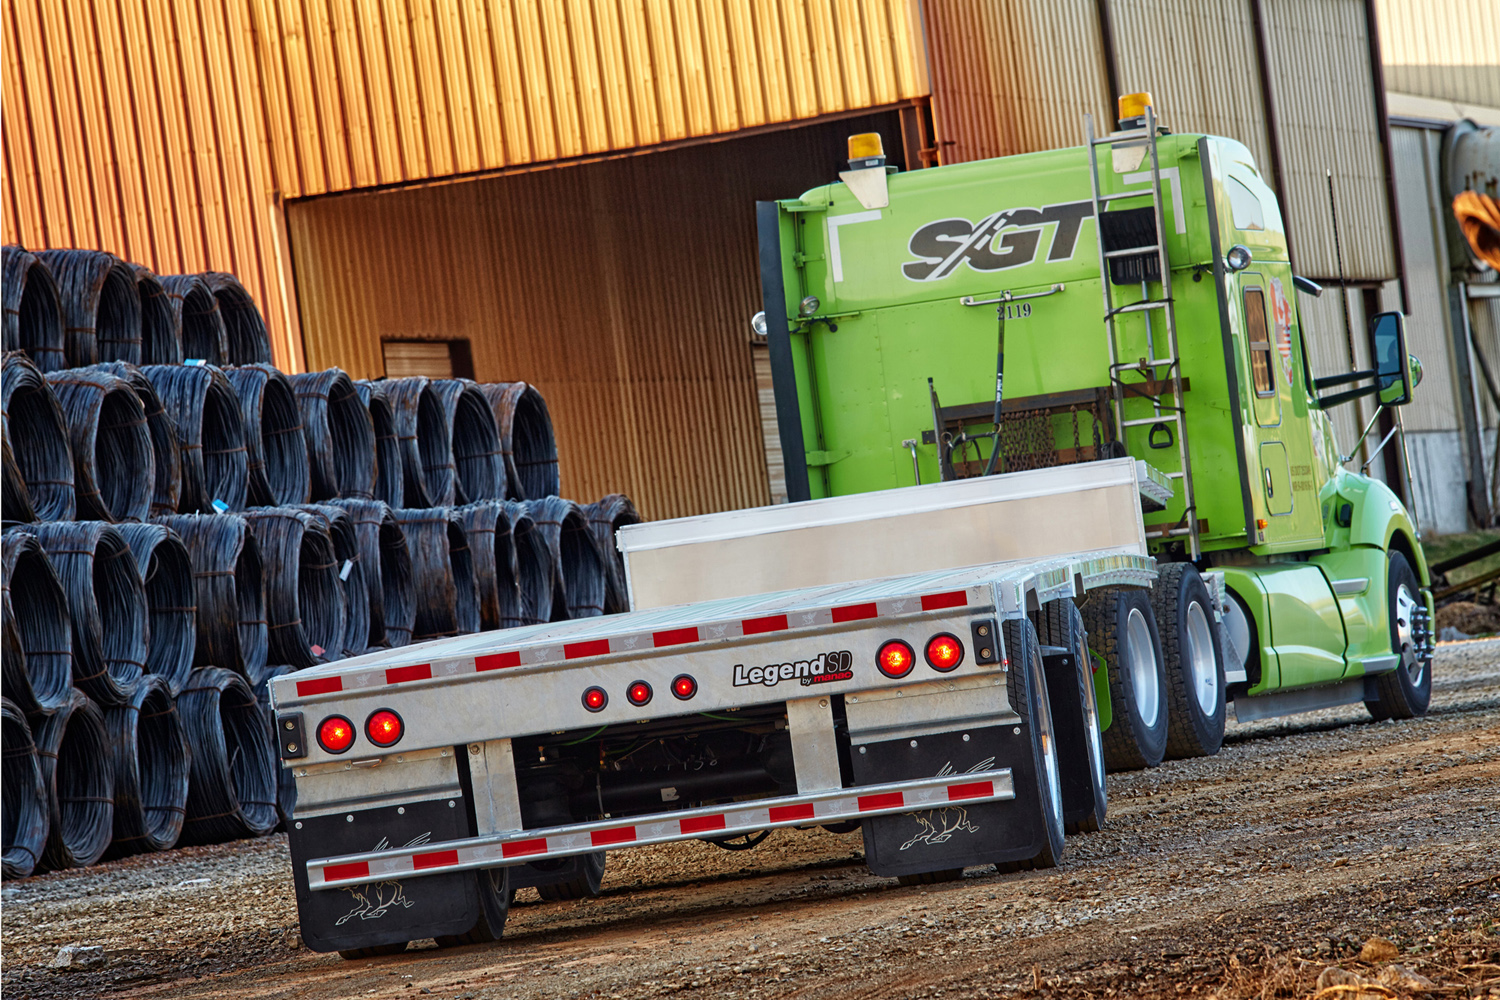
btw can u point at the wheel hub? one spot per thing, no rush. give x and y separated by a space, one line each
1141 662
1412 634
1198 657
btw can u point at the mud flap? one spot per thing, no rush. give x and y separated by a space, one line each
382 912
960 835
547 872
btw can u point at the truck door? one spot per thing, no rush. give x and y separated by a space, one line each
1273 476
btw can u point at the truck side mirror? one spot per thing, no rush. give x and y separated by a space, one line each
1394 376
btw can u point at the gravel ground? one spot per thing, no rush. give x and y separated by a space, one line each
1248 874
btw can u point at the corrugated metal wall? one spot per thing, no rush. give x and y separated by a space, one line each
1322 90
623 289
134 126
1442 48
372 92
1014 76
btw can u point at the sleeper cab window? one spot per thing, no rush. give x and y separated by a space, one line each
1244 206
1259 341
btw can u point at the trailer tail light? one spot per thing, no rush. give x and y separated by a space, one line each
895 659
336 734
594 699
638 693
684 687
944 652
384 728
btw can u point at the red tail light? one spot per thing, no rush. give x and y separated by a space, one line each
944 652
639 693
684 687
336 734
594 699
895 659
384 728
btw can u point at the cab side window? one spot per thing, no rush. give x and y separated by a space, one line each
1259 341
1244 206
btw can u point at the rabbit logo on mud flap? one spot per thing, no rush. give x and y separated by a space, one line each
375 899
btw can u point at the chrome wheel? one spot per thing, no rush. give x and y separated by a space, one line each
1198 657
1406 647
1141 657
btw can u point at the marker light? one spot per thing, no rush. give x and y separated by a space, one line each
758 324
808 306
865 145
336 734
944 652
1238 258
639 693
684 687
1134 105
594 699
895 659
384 728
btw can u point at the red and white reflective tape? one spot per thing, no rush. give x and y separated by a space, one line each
522 846
373 678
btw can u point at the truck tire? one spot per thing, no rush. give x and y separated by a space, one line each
494 902
1026 686
585 884
1194 661
1406 691
1075 716
1122 632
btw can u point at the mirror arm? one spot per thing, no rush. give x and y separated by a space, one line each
1378 448
1329 381
1343 397
1363 434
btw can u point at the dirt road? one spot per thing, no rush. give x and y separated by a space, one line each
1242 875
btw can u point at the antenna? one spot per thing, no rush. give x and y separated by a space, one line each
1338 253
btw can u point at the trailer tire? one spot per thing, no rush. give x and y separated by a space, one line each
494 906
931 878
1194 661
1075 716
374 951
585 884
1026 685
1122 632
1405 692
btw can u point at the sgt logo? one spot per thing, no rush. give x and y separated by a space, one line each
1008 238
821 669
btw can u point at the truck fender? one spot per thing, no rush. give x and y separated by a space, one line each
1375 517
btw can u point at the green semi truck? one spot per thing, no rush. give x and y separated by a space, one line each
915 319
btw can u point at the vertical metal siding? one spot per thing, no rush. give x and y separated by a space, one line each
1200 61
134 126
622 288
1014 76
364 93
1445 49
1322 86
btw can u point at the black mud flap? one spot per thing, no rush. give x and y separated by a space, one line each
957 836
382 912
550 872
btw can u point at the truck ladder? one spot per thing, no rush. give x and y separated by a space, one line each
1169 415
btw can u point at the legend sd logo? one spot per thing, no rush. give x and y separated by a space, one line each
821 669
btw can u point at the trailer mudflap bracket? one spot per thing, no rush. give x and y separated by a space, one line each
434 859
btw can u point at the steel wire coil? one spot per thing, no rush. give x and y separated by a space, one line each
286 784
165 454
210 436
275 444
474 440
200 325
38 662
389 476
605 518
389 578
304 596
229 588
351 573
535 571
526 439
100 305
161 325
249 340
73 746
340 437
106 603
33 311
426 444
37 432
23 795
114 469
579 585
496 581
232 772
150 757
166 572
15 502
443 570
